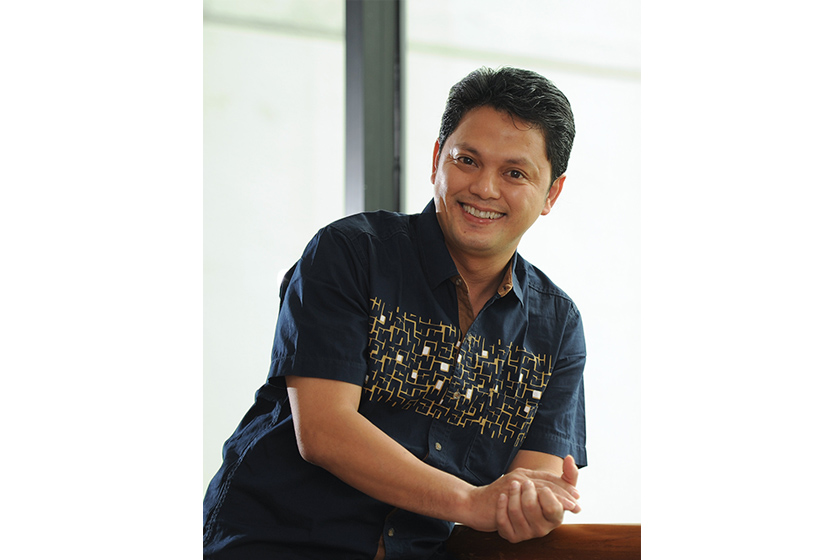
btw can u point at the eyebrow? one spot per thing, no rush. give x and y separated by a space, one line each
511 160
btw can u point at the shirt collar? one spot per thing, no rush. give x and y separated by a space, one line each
506 285
517 274
437 261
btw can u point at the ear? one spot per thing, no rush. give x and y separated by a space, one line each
435 155
553 193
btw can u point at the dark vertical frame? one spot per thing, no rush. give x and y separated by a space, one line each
374 123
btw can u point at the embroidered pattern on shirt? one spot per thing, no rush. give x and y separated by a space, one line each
420 365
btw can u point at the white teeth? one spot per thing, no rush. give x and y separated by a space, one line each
478 214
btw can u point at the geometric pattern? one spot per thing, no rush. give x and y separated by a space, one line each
426 367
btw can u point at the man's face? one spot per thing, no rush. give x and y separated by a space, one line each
491 181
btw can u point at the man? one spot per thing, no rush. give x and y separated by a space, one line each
423 373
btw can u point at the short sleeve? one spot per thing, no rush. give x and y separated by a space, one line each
559 426
322 325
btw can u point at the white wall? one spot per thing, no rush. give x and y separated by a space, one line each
102 313
590 243
274 174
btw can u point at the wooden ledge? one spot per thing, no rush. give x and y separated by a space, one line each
567 542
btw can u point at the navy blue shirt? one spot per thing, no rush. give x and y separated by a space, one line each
371 302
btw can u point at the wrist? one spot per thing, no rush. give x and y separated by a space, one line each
478 507
464 503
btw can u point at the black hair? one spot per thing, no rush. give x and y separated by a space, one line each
523 94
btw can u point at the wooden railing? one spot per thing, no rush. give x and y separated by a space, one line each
567 542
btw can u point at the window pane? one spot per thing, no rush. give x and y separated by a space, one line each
273 175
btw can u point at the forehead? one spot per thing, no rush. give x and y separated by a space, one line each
487 129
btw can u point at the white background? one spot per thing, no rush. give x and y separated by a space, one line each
102 316
273 175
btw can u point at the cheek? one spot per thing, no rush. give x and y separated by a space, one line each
439 188
444 186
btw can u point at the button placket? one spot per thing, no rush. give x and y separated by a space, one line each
439 433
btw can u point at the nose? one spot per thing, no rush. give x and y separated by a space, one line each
486 185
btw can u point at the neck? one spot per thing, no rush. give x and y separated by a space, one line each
482 275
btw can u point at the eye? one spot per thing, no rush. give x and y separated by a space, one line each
516 174
467 160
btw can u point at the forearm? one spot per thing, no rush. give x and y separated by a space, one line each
360 454
333 435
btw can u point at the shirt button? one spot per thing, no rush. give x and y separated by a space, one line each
438 446
390 532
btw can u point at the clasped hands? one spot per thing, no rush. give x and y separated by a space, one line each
530 504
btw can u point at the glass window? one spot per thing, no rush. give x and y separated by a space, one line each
273 175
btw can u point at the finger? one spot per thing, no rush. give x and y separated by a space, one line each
570 470
575 509
530 504
517 518
545 475
569 504
567 495
552 509
503 525
569 500
558 483
563 488
538 524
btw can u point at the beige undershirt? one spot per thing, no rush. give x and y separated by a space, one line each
466 314
466 317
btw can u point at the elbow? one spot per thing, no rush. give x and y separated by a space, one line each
313 447
310 453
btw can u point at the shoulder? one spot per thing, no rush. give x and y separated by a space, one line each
359 238
547 304
539 284
551 309
369 235
380 224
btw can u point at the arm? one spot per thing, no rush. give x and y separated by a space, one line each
528 510
333 435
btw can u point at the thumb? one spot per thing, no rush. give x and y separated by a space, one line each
570 470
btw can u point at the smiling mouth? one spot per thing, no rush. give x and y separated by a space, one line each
481 214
